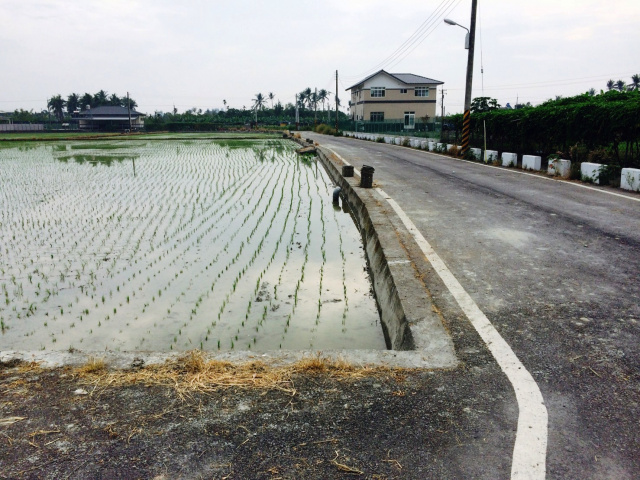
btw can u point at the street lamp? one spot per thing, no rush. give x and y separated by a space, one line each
466 39
470 41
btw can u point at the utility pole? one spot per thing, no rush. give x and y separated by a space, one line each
466 122
297 114
442 110
129 110
336 101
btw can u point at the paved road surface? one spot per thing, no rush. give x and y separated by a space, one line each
555 267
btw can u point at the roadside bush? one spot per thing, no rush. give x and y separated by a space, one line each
580 125
610 175
325 129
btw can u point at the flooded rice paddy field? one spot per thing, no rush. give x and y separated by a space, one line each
169 245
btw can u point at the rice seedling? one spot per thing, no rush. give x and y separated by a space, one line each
188 237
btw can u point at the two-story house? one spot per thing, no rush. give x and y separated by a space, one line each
397 97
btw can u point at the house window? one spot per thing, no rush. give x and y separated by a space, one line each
422 91
403 90
377 92
376 117
409 120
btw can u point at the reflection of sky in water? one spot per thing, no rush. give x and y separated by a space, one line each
186 254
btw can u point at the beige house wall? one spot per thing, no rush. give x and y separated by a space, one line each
394 104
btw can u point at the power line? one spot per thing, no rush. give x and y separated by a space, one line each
552 83
422 32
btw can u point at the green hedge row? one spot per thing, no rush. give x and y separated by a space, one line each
604 128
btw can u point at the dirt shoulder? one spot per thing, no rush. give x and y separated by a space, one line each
310 422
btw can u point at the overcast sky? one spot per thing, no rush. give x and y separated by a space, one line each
195 53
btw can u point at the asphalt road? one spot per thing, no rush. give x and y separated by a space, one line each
555 267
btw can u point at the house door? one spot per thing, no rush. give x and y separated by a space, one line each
409 120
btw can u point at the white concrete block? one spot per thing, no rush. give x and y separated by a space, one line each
431 146
559 167
490 156
440 147
388 140
449 145
509 159
424 144
531 162
398 141
414 142
630 179
476 152
590 172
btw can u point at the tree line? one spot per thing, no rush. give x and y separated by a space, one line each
312 106
75 102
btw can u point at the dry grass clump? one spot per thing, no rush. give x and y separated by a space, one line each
93 365
193 372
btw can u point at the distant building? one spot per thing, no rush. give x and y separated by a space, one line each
109 118
5 117
395 97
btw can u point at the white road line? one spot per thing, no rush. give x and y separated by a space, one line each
530 449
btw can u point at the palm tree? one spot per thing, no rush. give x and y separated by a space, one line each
314 102
610 85
114 100
592 92
322 97
620 85
271 96
258 103
306 96
86 101
224 102
100 98
635 82
73 101
56 105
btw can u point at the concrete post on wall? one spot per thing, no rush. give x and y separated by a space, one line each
559 167
476 152
630 179
531 162
490 156
509 159
590 172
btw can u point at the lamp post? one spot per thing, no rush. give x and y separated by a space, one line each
470 43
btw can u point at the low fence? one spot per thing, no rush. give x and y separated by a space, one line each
21 127
420 129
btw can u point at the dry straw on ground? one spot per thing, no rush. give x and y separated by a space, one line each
194 372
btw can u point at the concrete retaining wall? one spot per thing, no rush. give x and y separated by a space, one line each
392 309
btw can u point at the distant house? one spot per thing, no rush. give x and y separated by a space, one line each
395 97
5 117
109 118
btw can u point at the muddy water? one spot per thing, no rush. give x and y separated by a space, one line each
216 245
